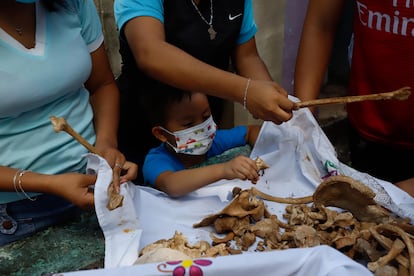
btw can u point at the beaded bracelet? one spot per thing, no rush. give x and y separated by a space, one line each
17 181
245 94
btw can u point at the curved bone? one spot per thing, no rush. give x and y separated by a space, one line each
349 194
244 204
216 240
287 200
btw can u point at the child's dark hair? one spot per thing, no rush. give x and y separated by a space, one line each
159 98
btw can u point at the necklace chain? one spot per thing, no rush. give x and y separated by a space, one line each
19 30
210 30
201 15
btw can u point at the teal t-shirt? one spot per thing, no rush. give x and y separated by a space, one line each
44 81
125 10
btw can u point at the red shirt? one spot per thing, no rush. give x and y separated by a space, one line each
382 61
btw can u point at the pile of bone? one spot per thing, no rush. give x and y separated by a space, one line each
359 227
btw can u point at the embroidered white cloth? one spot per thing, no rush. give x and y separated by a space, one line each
299 155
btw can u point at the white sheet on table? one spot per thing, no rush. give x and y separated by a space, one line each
296 152
319 260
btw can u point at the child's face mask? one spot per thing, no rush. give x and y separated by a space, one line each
195 140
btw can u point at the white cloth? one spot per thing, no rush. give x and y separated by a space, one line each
296 151
120 226
319 260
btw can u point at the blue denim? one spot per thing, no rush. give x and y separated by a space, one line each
23 218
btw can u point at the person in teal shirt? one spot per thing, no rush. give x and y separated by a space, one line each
196 45
53 63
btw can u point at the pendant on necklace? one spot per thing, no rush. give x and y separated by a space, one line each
212 32
19 30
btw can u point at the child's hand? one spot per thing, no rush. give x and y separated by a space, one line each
241 167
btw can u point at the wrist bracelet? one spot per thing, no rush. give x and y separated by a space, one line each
17 181
245 94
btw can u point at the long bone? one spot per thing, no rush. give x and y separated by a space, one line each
60 124
400 94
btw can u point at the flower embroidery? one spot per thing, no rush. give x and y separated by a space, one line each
332 169
193 267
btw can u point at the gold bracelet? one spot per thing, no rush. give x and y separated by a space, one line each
21 173
245 94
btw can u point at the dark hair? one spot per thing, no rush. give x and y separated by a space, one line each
159 99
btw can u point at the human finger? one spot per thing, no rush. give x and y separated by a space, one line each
269 102
248 168
88 202
130 172
280 89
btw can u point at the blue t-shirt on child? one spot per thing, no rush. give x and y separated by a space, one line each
159 160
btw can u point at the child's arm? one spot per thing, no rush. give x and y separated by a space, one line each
185 181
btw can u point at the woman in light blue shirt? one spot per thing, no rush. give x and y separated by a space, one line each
53 63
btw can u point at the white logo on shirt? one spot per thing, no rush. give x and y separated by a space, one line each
231 18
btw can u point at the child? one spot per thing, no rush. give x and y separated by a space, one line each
182 121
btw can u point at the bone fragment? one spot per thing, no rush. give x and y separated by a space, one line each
396 248
387 244
407 240
227 238
261 164
115 199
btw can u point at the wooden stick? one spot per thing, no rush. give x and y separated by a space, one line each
60 124
400 94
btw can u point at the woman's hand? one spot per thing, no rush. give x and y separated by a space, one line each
123 171
76 188
268 101
241 167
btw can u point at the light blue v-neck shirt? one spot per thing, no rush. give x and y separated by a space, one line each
44 81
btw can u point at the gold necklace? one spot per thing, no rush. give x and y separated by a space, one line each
210 30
